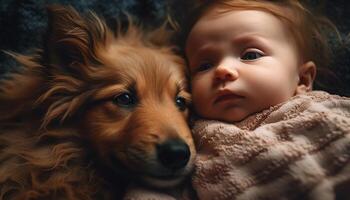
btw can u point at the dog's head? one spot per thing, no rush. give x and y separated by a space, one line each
125 94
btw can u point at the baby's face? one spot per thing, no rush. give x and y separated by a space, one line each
241 62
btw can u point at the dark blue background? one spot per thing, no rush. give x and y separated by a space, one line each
23 22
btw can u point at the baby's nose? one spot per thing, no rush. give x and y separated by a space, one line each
226 70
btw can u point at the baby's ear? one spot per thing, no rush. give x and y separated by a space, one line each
307 74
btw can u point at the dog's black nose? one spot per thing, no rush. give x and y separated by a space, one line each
173 154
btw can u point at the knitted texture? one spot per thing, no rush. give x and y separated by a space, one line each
296 150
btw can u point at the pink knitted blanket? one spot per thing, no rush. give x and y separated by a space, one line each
296 150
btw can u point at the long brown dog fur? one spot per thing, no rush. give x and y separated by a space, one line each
60 128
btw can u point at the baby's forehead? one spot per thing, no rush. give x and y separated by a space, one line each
282 13
238 23
236 30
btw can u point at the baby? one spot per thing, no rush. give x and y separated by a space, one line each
246 56
261 132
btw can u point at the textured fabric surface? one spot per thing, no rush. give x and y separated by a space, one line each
23 23
296 150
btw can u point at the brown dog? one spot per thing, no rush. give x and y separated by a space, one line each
91 110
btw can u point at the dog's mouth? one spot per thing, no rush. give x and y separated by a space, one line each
152 178
162 181
169 175
165 177
169 166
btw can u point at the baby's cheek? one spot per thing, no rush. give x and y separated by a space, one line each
270 91
199 97
200 100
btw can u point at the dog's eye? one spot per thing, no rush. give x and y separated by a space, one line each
181 103
125 100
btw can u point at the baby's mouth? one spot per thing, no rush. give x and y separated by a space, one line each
224 96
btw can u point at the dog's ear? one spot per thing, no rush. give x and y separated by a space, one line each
72 39
71 58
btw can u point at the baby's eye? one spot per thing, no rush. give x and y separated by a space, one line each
205 66
251 55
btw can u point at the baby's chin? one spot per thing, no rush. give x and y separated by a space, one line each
229 116
234 118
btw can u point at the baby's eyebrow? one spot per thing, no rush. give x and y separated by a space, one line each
212 49
206 50
200 51
247 39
